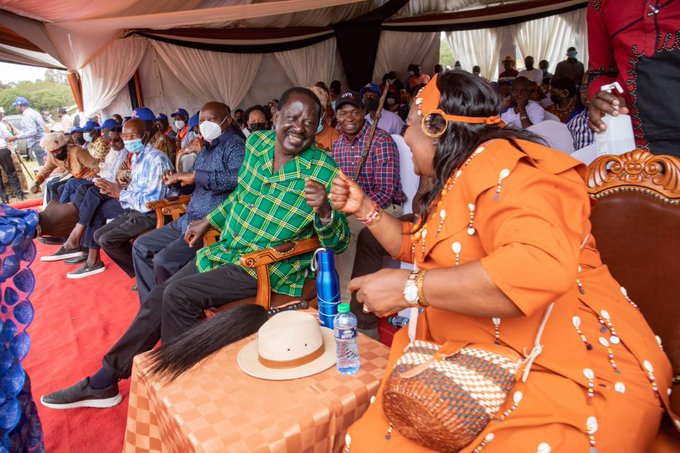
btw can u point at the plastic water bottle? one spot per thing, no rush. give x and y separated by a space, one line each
346 341
327 285
618 138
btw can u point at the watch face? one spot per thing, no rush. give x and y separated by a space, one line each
411 293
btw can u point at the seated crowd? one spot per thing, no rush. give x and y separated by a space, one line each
287 170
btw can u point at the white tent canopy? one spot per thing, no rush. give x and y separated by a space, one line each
187 52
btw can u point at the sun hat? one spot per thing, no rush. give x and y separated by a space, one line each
290 345
52 141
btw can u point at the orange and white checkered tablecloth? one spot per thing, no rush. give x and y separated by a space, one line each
215 407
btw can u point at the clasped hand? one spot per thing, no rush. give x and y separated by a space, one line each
182 178
108 188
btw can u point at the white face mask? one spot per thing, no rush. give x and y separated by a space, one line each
87 136
179 125
210 130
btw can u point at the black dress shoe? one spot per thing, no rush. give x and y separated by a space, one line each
51 240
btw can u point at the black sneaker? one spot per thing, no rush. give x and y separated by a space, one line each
63 254
82 395
49 240
85 270
76 260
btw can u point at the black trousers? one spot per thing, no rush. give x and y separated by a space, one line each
175 307
114 237
10 170
158 255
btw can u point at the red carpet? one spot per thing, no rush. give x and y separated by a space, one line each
76 321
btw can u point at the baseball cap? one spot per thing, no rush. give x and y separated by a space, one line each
193 121
20 101
91 126
144 114
109 124
162 116
180 112
372 87
349 97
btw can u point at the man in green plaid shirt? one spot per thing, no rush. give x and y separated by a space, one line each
281 195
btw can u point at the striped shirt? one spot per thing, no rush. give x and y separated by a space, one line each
582 134
268 208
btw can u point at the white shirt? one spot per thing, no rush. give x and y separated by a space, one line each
4 134
535 112
535 75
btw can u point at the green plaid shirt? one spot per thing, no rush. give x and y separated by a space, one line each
267 209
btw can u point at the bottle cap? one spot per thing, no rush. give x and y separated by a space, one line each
343 308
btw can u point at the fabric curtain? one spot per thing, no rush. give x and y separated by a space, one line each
397 50
109 72
477 48
308 65
211 76
550 37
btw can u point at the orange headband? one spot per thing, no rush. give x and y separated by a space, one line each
427 100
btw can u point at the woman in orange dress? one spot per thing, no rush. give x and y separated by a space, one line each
505 233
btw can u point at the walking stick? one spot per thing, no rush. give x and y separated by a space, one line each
21 161
367 145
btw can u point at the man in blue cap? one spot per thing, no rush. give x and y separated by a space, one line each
163 125
158 140
390 122
32 129
97 145
181 123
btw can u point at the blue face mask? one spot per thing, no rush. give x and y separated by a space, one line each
134 146
572 54
333 105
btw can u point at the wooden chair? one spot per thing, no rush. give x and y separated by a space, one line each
174 207
636 223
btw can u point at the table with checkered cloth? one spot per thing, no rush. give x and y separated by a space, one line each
215 407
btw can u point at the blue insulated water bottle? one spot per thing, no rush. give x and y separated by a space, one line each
327 285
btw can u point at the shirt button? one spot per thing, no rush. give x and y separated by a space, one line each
251 205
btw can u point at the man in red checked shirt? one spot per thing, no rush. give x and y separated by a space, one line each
638 46
379 178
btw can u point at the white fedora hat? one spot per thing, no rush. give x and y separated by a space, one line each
290 345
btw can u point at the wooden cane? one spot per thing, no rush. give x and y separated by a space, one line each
367 145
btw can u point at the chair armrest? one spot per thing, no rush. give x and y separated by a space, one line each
279 252
173 206
261 259
211 236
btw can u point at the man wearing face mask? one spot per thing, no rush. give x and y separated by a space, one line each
570 68
161 253
181 123
77 162
158 139
282 195
76 137
97 145
390 122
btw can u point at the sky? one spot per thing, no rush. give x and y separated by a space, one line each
16 72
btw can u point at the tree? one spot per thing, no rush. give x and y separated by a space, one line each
42 94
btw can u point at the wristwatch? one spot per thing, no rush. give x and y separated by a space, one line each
411 289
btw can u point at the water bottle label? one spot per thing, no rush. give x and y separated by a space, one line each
346 334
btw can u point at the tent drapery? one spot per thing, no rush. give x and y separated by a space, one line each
210 75
309 65
466 48
397 50
549 38
104 76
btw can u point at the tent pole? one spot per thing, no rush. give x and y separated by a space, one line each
76 88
